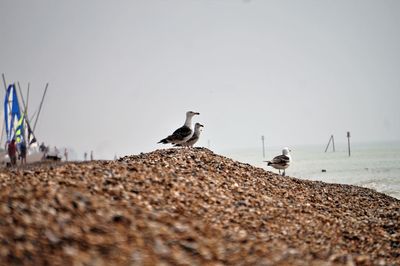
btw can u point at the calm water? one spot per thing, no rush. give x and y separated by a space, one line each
375 166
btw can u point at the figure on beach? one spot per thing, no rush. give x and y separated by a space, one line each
56 151
85 156
22 152
91 156
281 162
66 154
182 134
44 149
12 152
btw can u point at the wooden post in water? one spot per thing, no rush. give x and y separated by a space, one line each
263 146
329 142
348 142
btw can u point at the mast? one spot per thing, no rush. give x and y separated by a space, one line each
40 107
33 116
28 130
4 82
22 97
25 107
26 115
5 90
27 96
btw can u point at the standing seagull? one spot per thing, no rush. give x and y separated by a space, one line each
194 138
183 133
281 161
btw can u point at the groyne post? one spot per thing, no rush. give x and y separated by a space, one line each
263 146
348 142
329 142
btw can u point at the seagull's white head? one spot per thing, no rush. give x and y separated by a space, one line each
198 126
191 114
286 151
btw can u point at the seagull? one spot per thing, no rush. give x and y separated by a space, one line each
182 134
281 161
194 138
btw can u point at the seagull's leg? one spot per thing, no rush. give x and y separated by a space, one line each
283 174
279 171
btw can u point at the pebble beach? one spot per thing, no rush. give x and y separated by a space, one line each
189 207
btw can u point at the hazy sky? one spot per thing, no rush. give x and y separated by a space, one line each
122 74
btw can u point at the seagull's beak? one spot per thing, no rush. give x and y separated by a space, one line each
196 113
201 125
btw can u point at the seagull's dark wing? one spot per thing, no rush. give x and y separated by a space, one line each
281 159
180 134
193 138
189 142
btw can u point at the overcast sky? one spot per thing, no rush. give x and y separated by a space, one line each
122 74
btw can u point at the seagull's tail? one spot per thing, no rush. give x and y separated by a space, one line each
163 141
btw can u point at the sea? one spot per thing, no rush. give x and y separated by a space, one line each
371 165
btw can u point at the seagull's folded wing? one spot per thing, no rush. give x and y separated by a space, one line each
180 134
281 159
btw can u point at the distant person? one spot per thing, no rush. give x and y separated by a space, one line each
91 155
42 147
22 152
66 154
56 151
85 156
12 152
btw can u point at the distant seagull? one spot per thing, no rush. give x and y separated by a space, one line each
281 161
194 138
182 134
